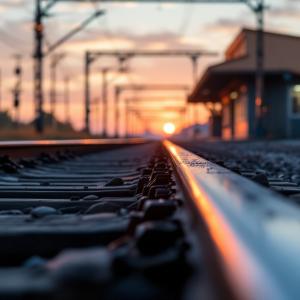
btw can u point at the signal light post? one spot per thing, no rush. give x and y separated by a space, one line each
38 56
17 89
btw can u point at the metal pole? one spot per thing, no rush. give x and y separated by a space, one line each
195 71
132 124
259 88
104 101
55 60
52 90
126 118
138 125
195 113
38 68
87 95
17 88
128 123
97 114
67 101
117 93
191 115
0 89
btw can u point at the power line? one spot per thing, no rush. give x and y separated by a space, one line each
108 35
17 40
186 19
10 44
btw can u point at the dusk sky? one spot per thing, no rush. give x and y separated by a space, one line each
130 25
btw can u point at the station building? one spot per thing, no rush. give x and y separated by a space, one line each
230 86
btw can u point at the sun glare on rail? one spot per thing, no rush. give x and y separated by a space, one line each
169 128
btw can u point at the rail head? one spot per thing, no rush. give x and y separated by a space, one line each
25 149
78 142
255 232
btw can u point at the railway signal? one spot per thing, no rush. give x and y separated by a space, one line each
17 88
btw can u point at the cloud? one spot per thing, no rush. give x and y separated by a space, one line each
15 3
289 11
154 41
6 6
226 26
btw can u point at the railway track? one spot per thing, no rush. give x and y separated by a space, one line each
134 219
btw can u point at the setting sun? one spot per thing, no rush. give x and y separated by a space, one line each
169 128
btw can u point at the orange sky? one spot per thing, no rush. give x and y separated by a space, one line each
126 26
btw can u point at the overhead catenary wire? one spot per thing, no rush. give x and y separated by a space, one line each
186 19
107 35
4 40
12 38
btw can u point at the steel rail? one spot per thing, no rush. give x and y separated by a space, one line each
24 149
255 232
119 141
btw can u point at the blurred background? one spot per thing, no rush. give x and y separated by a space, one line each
76 69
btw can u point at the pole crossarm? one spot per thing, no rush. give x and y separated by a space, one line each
124 55
75 30
163 1
141 99
47 7
253 4
127 54
141 87
160 109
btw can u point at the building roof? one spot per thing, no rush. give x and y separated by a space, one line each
281 55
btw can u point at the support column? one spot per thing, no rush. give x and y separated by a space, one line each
55 60
38 56
126 118
259 81
195 68
132 124
67 101
195 113
87 93
52 90
117 93
145 125
17 89
104 101
0 89
195 72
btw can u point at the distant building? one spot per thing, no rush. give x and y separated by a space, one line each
232 84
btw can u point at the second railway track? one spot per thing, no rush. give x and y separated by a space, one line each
143 220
